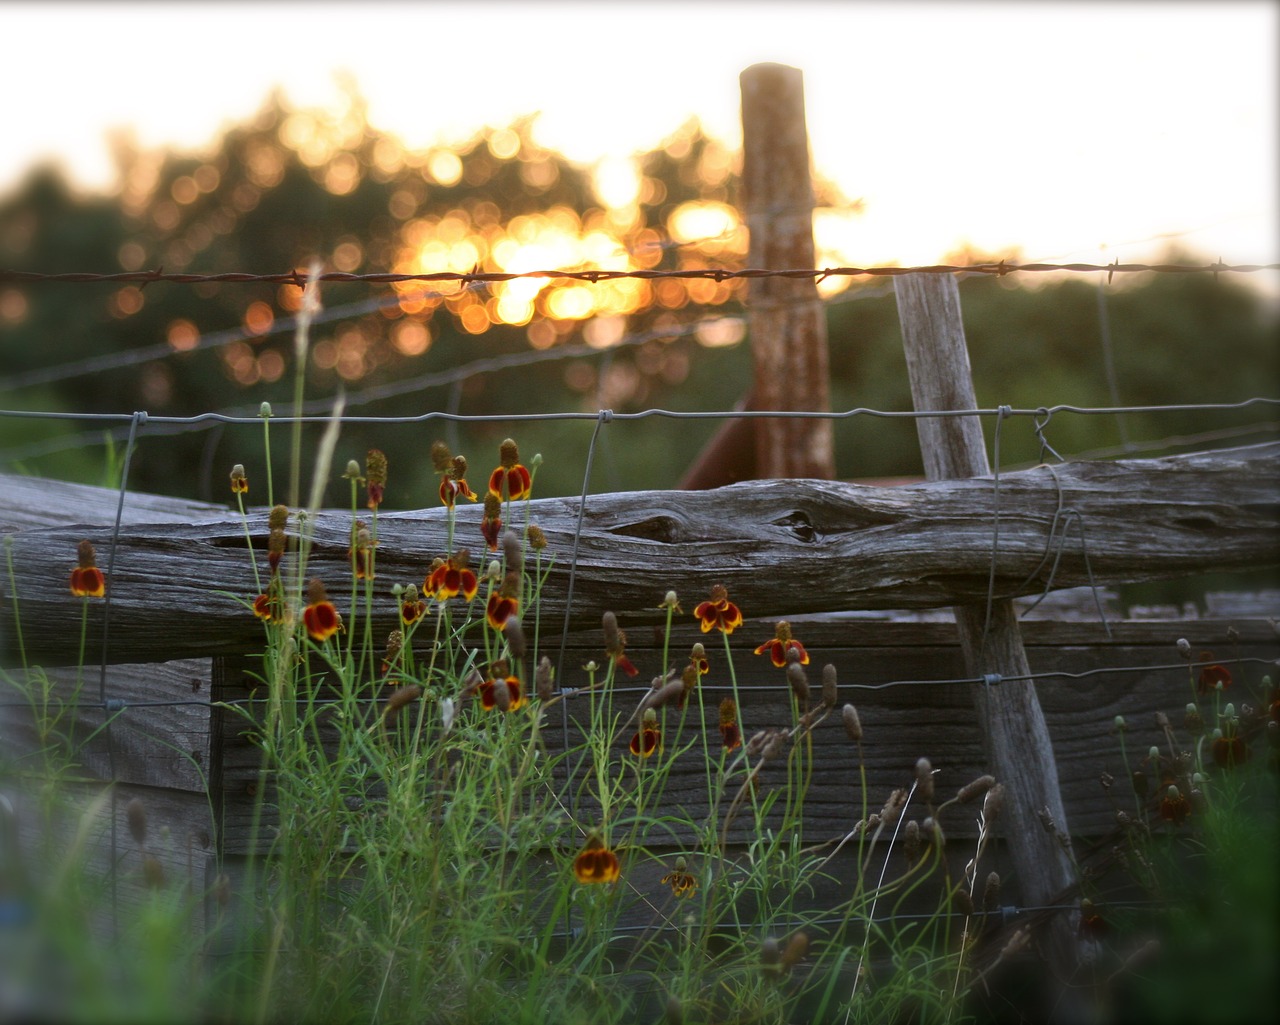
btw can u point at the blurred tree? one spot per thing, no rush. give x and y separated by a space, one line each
292 186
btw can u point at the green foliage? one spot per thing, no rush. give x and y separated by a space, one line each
289 186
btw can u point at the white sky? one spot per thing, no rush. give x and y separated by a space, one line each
1060 128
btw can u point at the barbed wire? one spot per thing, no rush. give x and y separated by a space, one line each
299 277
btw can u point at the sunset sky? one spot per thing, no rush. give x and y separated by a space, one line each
1082 131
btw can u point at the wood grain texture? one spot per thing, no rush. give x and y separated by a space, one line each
783 548
1015 735
788 326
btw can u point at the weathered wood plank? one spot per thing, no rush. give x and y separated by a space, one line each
783 548
901 723
159 733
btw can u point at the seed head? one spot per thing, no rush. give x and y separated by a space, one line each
852 726
542 679
924 779
975 788
830 690
136 815
798 680
511 551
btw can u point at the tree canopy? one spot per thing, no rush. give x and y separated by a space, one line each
292 186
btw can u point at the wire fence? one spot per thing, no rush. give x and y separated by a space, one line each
299 277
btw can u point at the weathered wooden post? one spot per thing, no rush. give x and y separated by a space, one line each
787 322
1016 738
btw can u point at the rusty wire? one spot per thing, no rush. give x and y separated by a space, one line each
298 277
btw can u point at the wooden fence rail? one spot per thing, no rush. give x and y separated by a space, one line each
783 548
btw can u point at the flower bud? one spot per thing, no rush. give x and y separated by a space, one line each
830 691
852 726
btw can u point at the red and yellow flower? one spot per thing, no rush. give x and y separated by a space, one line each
615 644
596 863
269 608
510 479
375 473
239 482
682 882
504 602
412 608
1229 749
1174 807
648 738
729 732
1212 675
360 553
781 643
491 524
718 612
488 692
453 474
450 577
87 580
320 617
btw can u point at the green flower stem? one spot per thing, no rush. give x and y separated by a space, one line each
248 540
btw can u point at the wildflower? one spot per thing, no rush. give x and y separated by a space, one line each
595 863
453 483
510 479
781 643
671 602
698 659
729 732
504 602
615 644
268 607
537 539
1092 925
441 457
239 482
450 577
491 525
375 471
1213 675
1229 750
688 683
276 540
412 608
87 580
320 617
681 881
1174 807
395 646
451 490
648 738
361 552
491 694
719 612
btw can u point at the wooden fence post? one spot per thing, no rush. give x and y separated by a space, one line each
787 322
1016 738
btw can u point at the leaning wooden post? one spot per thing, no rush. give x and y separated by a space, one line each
787 323
1016 738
